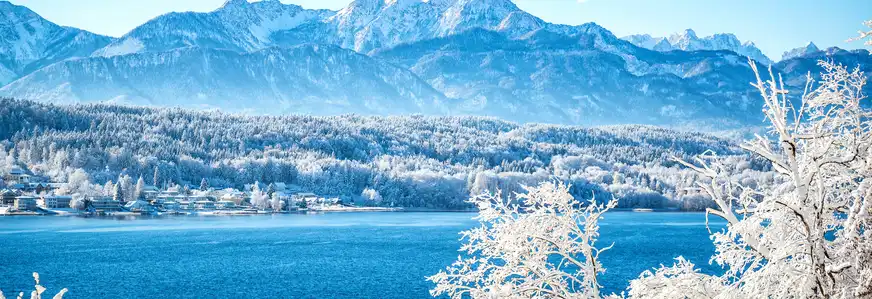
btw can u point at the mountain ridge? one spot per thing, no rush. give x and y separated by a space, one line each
271 80
689 41
437 57
28 42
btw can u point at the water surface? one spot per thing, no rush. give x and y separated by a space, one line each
335 255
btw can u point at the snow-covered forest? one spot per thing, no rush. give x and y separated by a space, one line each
410 161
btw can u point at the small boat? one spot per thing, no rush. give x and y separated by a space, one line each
643 210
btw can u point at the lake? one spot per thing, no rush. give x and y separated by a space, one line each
333 255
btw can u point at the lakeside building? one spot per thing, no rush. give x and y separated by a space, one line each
150 192
140 206
170 205
32 187
25 203
104 204
17 175
186 205
196 198
19 178
7 196
54 201
30 192
233 195
204 205
308 197
225 205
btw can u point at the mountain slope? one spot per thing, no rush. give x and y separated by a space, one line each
435 57
809 48
689 41
29 42
367 25
238 25
795 69
556 78
313 79
364 25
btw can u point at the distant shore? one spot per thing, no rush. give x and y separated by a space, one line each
329 209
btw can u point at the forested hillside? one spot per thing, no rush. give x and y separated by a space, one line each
412 161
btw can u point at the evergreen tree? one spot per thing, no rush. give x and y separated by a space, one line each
204 185
270 190
118 194
127 187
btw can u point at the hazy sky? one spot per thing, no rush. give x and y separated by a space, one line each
774 25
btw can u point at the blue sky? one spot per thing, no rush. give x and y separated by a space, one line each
774 25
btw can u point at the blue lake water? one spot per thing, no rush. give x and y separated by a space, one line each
334 255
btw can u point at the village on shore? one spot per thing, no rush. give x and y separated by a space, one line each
28 194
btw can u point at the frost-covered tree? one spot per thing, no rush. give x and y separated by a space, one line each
813 232
126 185
109 188
371 196
259 198
38 290
118 193
410 161
865 34
540 244
139 189
78 202
204 185
155 178
276 203
79 183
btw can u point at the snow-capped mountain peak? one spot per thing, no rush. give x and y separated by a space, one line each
366 25
687 34
234 3
28 41
388 56
688 40
238 25
800 52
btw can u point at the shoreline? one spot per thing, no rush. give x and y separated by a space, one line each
50 213
312 211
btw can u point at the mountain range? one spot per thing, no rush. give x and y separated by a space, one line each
437 57
29 42
688 41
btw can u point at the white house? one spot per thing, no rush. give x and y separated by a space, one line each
54 201
233 195
17 175
25 203
309 198
105 204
